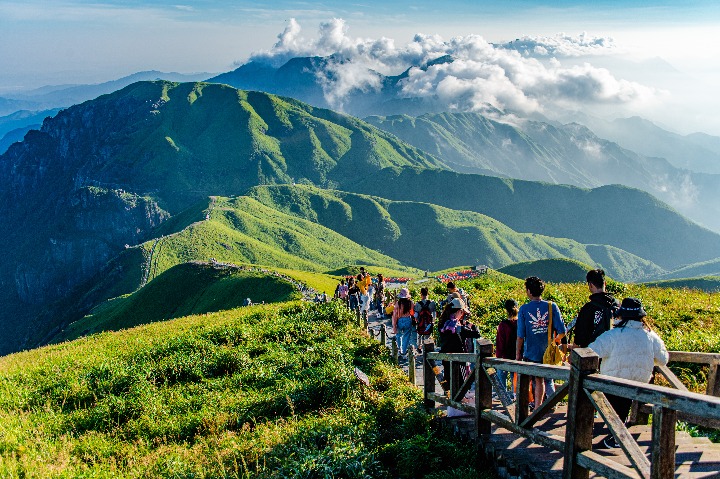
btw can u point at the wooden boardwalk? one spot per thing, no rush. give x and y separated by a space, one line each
516 455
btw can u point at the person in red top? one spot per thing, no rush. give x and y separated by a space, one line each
506 339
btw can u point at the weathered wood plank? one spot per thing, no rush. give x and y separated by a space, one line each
605 466
671 378
560 373
522 398
483 387
551 441
470 409
646 410
622 435
428 375
581 414
692 357
681 401
459 357
545 407
465 387
663 443
713 385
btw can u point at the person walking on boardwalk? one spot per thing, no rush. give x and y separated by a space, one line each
506 340
629 351
532 332
402 321
424 312
353 295
380 295
455 329
596 316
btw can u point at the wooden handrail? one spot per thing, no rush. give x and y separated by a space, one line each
586 390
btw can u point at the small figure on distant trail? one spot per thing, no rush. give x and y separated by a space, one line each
247 302
402 321
596 316
353 295
506 341
532 333
324 297
364 280
424 312
342 291
629 351
380 295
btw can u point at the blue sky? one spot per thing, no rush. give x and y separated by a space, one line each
66 41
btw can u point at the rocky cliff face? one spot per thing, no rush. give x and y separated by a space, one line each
66 213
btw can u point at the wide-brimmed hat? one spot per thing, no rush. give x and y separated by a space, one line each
631 308
458 303
404 293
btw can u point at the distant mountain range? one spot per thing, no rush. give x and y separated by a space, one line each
112 192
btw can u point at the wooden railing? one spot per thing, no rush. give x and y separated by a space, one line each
585 390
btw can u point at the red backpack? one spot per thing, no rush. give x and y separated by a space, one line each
424 318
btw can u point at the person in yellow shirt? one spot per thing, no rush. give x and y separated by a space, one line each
363 281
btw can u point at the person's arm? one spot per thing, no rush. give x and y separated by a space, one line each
659 350
583 331
519 348
501 339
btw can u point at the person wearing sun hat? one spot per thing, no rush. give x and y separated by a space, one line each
629 351
402 321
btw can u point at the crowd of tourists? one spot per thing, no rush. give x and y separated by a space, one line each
618 332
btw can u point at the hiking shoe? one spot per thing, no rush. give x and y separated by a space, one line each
609 443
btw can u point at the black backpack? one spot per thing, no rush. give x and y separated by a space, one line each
606 323
424 318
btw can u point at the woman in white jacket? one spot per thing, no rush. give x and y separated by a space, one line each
629 351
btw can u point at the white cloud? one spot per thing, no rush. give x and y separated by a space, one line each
562 45
480 74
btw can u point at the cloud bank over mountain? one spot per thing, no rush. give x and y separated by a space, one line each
506 76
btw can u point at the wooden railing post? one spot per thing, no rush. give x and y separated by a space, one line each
394 349
411 365
522 398
456 378
713 385
662 464
428 375
383 335
357 317
483 386
580 413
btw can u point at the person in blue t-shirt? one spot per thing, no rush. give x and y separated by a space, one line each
532 334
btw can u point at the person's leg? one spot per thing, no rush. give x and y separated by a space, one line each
503 377
549 387
621 405
539 392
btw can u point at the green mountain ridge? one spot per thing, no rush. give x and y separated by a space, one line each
431 237
561 154
555 270
615 215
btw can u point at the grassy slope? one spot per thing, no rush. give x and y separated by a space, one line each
185 289
432 237
555 270
258 392
705 268
242 230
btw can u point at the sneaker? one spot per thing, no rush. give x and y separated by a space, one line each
609 443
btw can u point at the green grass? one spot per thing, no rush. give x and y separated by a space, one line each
263 392
189 288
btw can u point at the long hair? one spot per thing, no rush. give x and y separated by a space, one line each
404 306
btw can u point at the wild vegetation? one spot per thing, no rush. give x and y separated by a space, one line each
253 392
